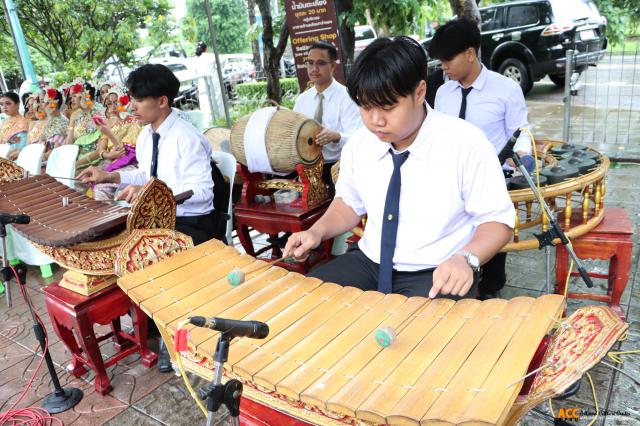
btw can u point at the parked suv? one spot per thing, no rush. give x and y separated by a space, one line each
527 40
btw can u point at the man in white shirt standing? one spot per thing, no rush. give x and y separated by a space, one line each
428 182
490 101
328 102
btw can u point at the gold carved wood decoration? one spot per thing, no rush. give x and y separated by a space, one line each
155 208
10 171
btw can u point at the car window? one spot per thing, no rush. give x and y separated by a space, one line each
573 10
522 15
364 34
176 67
491 18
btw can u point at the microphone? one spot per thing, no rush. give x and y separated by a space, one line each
233 328
6 218
507 151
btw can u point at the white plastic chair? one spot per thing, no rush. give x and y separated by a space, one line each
4 149
30 158
62 164
197 118
227 165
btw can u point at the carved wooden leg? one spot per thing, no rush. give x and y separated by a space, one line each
140 323
119 341
562 257
245 239
91 350
619 269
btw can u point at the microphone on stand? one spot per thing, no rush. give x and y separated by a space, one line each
6 218
233 328
507 151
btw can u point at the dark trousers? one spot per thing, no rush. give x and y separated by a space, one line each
201 228
326 177
355 269
494 274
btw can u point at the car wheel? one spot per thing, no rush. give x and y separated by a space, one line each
517 71
558 79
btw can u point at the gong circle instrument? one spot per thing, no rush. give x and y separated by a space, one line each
323 362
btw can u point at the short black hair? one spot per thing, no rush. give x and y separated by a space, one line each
387 70
324 45
153 80
13 96
25 98
88 87
201 48
453 38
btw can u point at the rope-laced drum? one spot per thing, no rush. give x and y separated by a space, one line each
451 362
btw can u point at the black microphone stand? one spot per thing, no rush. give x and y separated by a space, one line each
62 399
218 394
546 239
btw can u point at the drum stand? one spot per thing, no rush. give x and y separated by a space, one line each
62 399
218 394
546 238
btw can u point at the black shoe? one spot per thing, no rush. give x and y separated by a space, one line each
164 360
488 295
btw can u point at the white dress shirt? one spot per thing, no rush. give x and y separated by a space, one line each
495 105
339 113
184 156
451 183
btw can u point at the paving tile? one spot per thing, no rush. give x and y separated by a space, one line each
133 417
171 403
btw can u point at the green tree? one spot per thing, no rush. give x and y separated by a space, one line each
231 24
77 36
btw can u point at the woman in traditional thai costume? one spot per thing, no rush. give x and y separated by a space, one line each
82 129
14 129
38 123
55 132
121 132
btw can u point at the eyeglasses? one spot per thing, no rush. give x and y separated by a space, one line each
320 62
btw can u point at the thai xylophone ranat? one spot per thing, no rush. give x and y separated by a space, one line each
465 362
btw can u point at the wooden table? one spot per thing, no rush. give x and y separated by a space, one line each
272 219
73 317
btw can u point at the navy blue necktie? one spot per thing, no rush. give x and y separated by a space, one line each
463 105
390 224
155 138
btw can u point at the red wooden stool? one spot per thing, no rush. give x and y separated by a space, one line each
611 240
72 313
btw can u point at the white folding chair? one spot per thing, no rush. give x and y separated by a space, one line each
4 149
227 165
30 158
62 164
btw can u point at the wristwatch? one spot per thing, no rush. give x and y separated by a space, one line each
472 260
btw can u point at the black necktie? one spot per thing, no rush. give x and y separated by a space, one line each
390 224
463 105
155 137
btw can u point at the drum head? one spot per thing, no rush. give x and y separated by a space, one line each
308 150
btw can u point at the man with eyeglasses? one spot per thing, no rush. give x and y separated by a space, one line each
328 102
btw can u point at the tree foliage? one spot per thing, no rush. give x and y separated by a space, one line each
77 36
231 22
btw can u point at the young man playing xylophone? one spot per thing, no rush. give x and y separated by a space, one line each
430 185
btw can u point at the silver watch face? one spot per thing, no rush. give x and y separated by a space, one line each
473 260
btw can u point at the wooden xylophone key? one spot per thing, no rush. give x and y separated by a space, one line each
359 332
